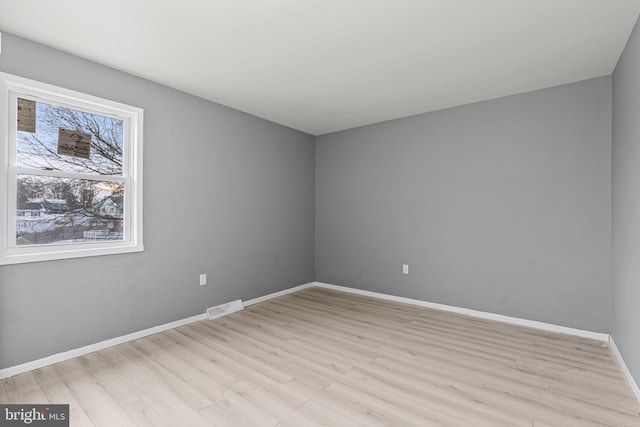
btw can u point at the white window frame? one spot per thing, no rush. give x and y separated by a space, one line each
12 87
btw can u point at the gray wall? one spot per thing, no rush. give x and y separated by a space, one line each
500 206
225 193
625 311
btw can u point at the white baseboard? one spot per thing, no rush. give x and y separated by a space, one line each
475 313
632 382
278 294
49 360
61 357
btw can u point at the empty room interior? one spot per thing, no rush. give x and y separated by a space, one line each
358 213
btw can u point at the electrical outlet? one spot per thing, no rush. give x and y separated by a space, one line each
203 279
405 268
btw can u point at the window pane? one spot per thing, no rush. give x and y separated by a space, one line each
53 210
68 140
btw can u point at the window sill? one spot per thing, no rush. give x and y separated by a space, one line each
67 253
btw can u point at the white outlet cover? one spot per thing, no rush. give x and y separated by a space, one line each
405 268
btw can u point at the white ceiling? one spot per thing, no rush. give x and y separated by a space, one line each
326 65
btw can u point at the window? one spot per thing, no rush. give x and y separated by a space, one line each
71 174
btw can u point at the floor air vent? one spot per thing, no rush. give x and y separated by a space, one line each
224 309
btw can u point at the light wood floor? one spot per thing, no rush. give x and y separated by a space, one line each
321 357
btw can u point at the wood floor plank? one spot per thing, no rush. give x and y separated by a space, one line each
197 360
24 388
57 392
220 417
120 392
233 367
324 405
144 415
378 408
204 385
160 395
171 380
316 410
315 349
247 412
53 387
95 401
272 405
218 343
324 357
439 396
4 397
